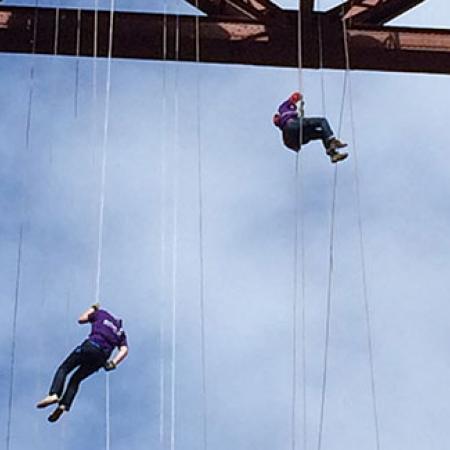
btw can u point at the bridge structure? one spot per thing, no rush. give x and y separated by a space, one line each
247 32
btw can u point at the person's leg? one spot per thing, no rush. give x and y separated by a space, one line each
318 128
72 361
92 359
57 386
291 134
79 375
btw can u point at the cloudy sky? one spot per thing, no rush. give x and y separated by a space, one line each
158 120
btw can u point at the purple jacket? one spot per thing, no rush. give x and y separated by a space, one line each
107 331
287 110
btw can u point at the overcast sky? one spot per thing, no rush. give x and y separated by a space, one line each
157 122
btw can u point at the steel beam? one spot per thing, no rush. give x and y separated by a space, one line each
249 9
70 32
374 12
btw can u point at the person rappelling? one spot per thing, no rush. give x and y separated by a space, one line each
94 353
297 129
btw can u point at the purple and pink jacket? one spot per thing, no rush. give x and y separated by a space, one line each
107 331
287 111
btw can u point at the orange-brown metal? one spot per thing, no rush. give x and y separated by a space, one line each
269 41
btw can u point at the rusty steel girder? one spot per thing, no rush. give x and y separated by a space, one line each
270 39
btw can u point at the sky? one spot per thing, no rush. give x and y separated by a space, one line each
161 115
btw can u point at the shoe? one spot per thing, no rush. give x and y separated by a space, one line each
47 401
56 414
336 157
336 143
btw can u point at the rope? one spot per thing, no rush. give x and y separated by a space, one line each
95 52
298 219
322 75
52 68
56 37
94 129
175 251
163 170
77 63
331 245
32 70
107 413
328 313
361 246
201 240
102 197
13 339
104 155
67 344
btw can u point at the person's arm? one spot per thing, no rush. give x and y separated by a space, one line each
84 318
121 355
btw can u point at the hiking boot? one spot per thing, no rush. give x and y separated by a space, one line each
336 143
56 414
47 401
336 157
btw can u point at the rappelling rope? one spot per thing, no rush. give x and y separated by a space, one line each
94 129
200 232
322 74
163 172
175 247
298 222
104 155
361 243
95 52
32 70
331 248
328 312
13 339
102 201
77 63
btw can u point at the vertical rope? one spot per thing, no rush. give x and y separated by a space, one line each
107 413
298 221
94 129
67 344
331 267
361 246
294 312
95 52
175 250
77 63
328 312
102 196
13 340
201 240
163 171
322 75
104 154
56 37
32 70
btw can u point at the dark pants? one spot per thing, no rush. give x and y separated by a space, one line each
312 128
88 358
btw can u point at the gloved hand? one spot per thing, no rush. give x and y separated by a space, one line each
96 306
296 97
110 365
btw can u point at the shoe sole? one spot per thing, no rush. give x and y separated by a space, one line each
55 415
44 404
341 158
